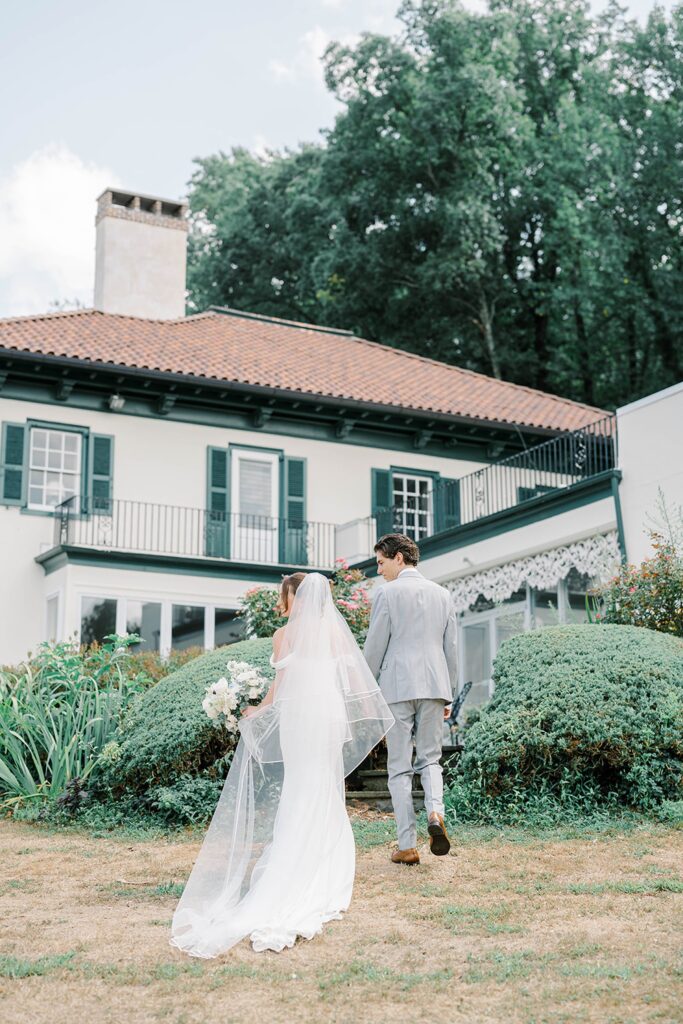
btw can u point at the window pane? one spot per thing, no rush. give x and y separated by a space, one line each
544 606
509 624
144 618
477 661
98 619
577 584
229 626
412 503
255 487
187 628
48 449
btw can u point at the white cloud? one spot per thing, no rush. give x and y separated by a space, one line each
47 230
306 62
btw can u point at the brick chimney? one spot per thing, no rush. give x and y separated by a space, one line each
140 255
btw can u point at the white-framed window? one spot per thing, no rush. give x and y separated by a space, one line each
484 627
413 505
54 468
163 625
482 630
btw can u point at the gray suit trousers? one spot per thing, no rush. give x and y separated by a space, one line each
421 721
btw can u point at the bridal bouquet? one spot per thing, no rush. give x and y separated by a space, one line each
241 684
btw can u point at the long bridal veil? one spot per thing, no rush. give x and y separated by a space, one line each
278 858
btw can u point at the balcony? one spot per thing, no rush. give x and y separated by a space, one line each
543 473
156 534
175 532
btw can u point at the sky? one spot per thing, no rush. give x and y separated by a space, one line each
94 94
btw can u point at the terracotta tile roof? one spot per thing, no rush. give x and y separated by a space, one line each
247 349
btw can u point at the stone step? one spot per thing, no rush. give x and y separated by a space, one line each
368 794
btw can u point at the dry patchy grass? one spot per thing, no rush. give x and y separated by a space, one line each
538 932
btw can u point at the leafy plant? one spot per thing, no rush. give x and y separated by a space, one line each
349 591
649 595
58 712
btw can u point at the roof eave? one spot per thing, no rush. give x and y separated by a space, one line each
192 380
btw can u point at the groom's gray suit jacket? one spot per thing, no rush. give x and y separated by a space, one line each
410 646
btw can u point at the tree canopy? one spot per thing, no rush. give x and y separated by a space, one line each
502 191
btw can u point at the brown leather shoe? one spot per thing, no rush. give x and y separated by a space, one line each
406 856
439 843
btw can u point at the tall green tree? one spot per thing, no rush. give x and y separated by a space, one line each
499 190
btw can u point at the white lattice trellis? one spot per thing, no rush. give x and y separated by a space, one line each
596 556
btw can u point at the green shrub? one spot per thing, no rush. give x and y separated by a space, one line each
580 714
166 733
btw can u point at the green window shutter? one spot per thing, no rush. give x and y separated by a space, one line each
382 501
217 503
12 476
293 548
101 473
447 504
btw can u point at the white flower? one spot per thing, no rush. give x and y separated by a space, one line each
254 692
231 701
210 707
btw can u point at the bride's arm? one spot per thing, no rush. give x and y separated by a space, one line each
268 699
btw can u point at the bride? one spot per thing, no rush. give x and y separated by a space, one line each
278 859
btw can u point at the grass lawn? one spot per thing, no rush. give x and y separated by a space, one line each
512 927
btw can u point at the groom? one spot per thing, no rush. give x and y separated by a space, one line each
410 649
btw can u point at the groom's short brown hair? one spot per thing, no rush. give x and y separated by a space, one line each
391 543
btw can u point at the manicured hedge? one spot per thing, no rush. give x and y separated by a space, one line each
583 708
166 734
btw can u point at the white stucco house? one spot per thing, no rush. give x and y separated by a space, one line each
154 466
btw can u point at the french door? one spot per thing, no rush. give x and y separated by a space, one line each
255 486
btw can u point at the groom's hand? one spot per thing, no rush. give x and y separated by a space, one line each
447 711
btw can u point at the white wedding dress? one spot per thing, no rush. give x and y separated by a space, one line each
278 859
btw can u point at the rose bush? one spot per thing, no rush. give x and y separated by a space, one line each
349 591
650 594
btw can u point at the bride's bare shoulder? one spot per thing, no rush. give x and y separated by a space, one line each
277 638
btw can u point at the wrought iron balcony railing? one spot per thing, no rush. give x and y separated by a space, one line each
552 466
150 528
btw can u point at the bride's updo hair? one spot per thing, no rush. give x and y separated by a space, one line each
289 587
